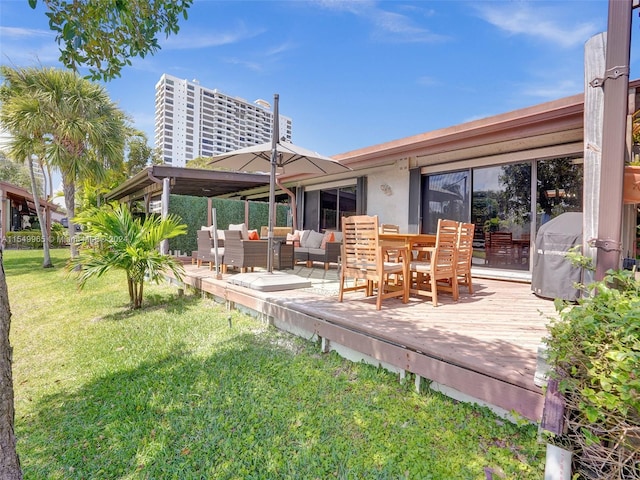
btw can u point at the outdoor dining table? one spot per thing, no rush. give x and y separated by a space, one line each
403 242
406 239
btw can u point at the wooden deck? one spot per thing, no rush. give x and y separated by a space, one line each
482 348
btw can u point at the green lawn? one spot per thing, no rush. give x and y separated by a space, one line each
186 390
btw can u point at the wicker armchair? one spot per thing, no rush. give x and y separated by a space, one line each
244 254
206 251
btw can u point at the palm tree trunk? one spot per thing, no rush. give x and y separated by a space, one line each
9 460
69 189
46 261
50 181
131 289
140 294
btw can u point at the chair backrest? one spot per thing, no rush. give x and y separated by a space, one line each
446 248
500 239
465 245
232 237
359 241
389 228
205 242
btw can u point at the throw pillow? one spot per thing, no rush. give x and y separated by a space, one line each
328 237
293 239
315 239
253 235
304 238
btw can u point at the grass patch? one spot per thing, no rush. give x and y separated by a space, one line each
176 390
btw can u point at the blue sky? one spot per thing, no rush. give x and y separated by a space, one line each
355 74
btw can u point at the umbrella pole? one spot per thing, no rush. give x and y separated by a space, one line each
272 181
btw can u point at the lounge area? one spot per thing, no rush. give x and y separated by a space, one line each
373 257
239 249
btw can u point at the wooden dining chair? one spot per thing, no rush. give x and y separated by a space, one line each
363 258
389 228
464 254
499 248
434 265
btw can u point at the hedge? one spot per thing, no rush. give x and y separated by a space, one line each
193 212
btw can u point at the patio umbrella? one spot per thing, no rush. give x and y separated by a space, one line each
264 157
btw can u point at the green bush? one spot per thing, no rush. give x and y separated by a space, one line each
193 212
594 349
59 235
23 239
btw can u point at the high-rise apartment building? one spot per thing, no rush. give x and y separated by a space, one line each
193 121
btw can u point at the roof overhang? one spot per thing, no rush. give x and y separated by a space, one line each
24 196
186 181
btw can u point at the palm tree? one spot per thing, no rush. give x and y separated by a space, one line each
21 114
113 239
81 130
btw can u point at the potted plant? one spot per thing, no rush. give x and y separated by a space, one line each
631 188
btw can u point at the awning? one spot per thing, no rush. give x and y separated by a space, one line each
186 181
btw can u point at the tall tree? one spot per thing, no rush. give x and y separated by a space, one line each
80 130
14 172
9 460
140 154
104 35
21 113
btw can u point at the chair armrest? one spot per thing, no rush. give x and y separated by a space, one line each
254 246
332 251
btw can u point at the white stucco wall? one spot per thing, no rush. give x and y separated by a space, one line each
388 194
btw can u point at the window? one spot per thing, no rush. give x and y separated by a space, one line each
558 188
499 199
502 203
325 208
445 195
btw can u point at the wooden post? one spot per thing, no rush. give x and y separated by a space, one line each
214 235
594 61
164 244
615 83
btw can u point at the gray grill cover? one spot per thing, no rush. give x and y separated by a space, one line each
553 276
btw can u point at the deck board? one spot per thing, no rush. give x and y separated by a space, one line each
484 345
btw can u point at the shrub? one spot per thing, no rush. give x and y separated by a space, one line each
193 212
23 239
594 349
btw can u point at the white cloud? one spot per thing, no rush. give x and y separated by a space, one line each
552 90
547 23
278 49
22 46
400 28
254 66
192 39
388 26
24 33
426 81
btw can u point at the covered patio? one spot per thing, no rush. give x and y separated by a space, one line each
483 348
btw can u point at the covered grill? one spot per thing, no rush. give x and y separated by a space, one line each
553 276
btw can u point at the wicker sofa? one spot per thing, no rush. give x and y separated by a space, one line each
319 247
